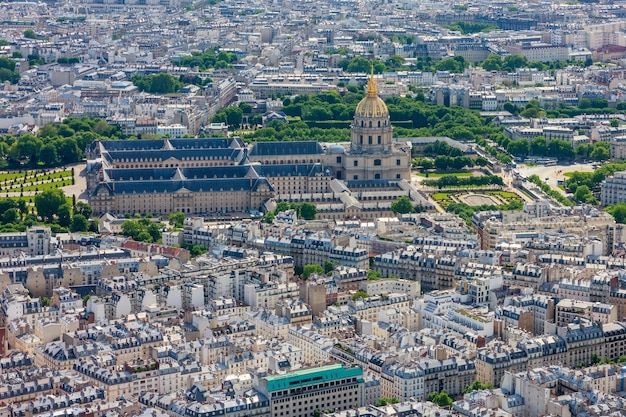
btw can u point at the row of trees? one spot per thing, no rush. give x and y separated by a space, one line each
210 58
455 64
454 181
55 144
439 147
443 162
329 105
294 131
467 28
410 117
557 148
52 208
549 191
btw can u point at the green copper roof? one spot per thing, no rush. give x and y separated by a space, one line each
311 376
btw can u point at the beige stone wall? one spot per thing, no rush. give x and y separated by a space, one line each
165 203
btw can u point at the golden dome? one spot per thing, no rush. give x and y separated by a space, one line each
371 105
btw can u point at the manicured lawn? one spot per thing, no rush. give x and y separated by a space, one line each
503 194
34 181
11 176
44 187
444 174
441 196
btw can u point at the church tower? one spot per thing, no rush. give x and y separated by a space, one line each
371 130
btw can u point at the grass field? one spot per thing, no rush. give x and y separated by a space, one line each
446 174
441 196
504 194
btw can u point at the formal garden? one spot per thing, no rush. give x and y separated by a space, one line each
466 203
35 180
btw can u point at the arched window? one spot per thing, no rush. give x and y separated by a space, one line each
377 162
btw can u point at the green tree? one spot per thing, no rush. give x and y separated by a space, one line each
45 302
618 211
373 275
144 236
83 209
600 153
10 76
64 214
25 148
164 83
441 398
10 216
584 103
48 155
402 205
538 146
30 34
583 194
7 63
234 116
359 294
48 203
67 149
510 107
79 223
231 115
155 231
614 122
329 266
66 131
513 62
197 250
311 269
131 228
308 211
49 130
477 385
245 108
176 219
161 83
282 206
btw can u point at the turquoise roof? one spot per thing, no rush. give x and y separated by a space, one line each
311 376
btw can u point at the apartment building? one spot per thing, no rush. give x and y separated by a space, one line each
613 189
